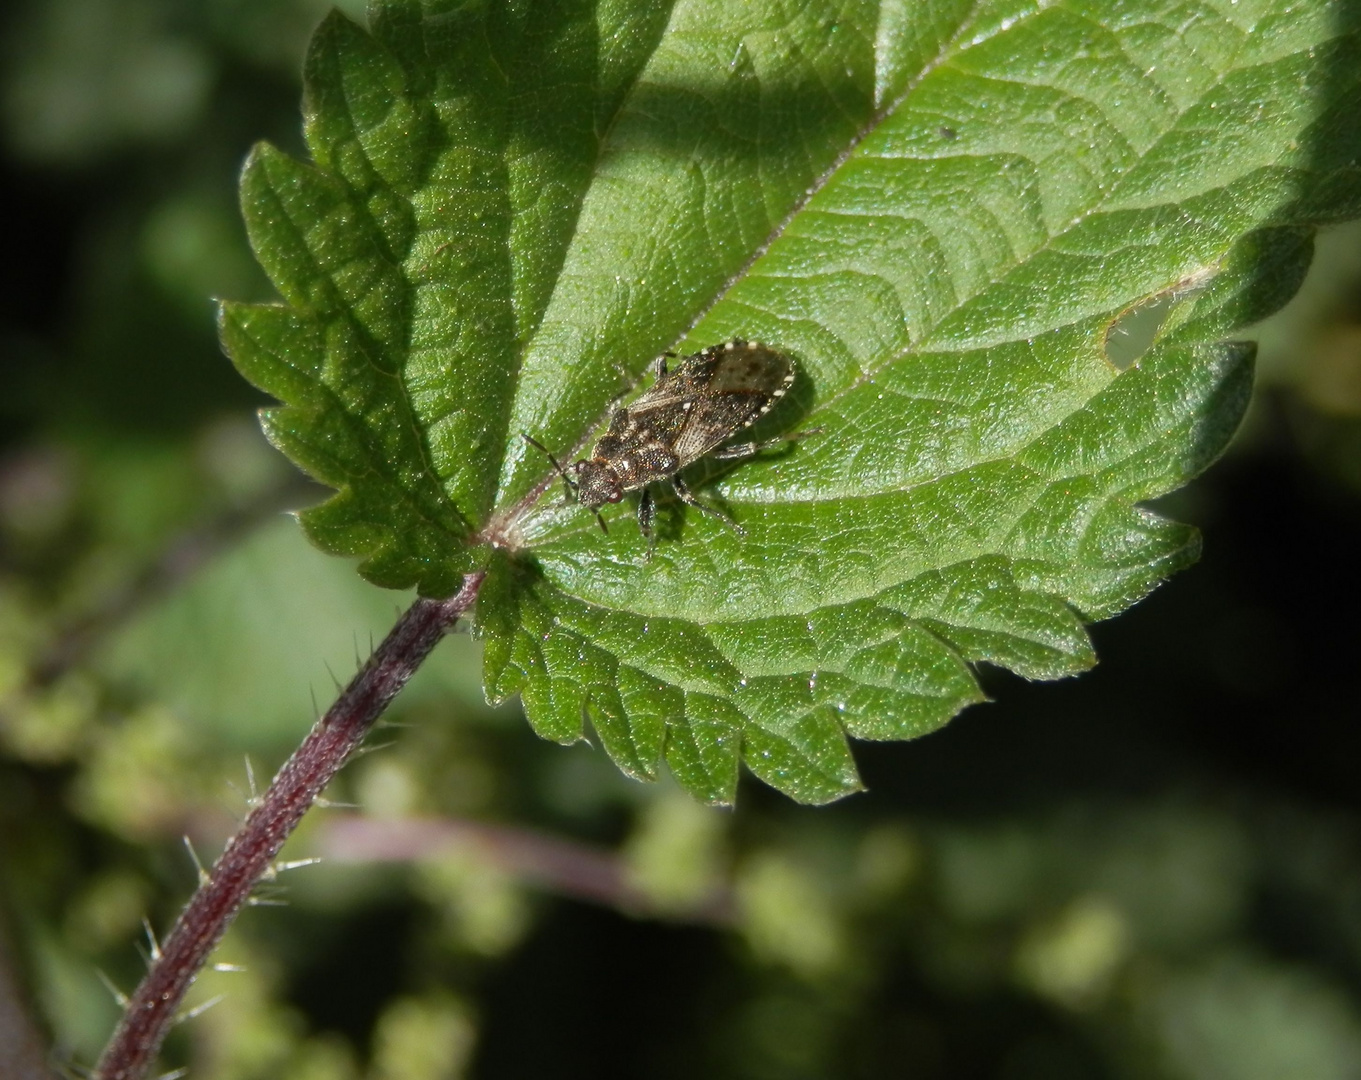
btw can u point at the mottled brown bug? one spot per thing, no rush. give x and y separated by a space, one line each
684 415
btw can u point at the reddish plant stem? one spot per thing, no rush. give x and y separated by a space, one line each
247 857
567 867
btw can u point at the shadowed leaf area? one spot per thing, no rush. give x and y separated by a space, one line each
938 211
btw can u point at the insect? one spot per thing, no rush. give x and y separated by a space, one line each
684 415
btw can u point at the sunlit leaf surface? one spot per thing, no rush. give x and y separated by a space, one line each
938 210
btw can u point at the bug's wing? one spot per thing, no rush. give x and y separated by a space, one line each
659 413
688 380
740 384
655 417
747 368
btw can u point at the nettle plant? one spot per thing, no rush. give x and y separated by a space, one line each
937 212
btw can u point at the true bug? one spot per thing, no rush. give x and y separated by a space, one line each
684 415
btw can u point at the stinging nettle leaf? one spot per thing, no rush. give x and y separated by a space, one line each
939 212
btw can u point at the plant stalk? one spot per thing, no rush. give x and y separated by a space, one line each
151 1011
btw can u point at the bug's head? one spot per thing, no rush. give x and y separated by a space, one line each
597 483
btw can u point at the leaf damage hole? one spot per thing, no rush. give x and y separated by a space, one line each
1136 328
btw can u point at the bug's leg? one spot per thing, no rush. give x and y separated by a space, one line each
746 449
656 369
687 496
659 365
647 515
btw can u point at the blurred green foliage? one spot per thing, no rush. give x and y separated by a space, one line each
1151 873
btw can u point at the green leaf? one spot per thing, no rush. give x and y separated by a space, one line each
939 211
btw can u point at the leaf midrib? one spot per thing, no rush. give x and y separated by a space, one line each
926 342
513 514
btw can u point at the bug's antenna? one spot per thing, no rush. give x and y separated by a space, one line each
566 478
571 484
